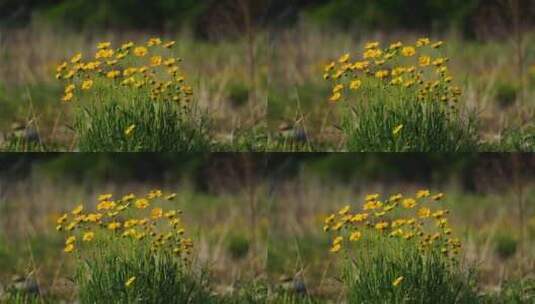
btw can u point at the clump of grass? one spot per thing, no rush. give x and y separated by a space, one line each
397 122
401 98
126 272
505 246
136 100
400 250
395 272
140 125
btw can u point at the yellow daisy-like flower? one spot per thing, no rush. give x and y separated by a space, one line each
355 236
69 248
437 44
113 74
129 282
140 51
156 61
381 226
88 236
335 97
62 219
70 240
169 44
382 74
142 203
408 203
128 131
154 41
424 212
422 193
336 248
78 209
371 45
344 210
104 53
408 51
76 58
103 45
355 84
372 54
397 281
438 197
114 226
87 84
344 58
397 130
424 61
423 42
156 213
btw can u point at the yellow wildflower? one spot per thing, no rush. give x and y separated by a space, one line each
156 61
397 130
87 84
69 248
344 58
129 282
422 193
371 45
355 236
103 45
88 236
169 44
154 41
408 51
397 281
335 97
142 203
67 97
355 84
344 210
424 212
128 131
140 51
76 58
408 203
156 213
423 42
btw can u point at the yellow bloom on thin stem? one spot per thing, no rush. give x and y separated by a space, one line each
142 203
408 51
355 236
129 282
128 131
335 97
88 236
69 248
397 281
140 51
397 130
87 84
355 84
78 209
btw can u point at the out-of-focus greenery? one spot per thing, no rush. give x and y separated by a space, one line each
467 170
165 14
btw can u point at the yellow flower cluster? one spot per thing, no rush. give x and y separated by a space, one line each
407 218
398 65
140 67
128 217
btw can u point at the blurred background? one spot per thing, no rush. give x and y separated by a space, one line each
257 65
259 216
